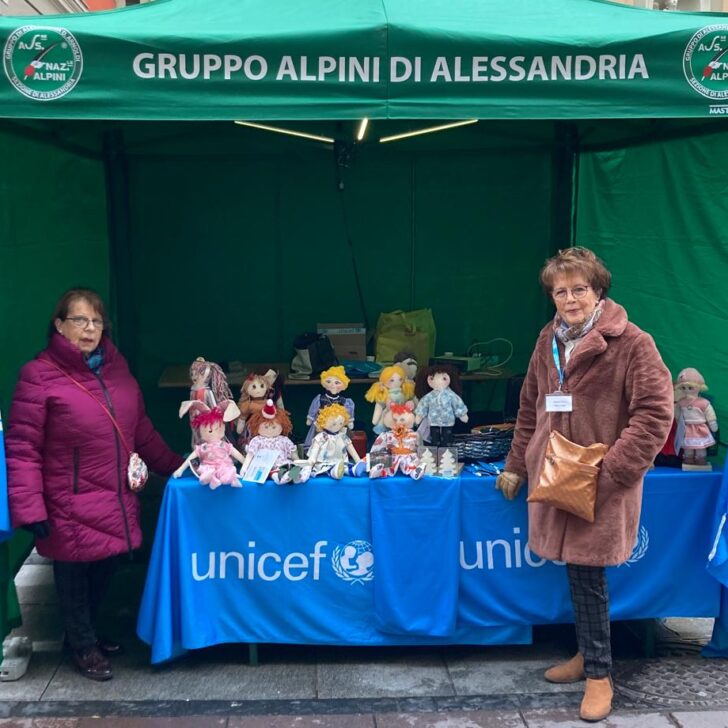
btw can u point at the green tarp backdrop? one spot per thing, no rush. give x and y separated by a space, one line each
120 168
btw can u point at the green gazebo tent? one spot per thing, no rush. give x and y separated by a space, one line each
121 168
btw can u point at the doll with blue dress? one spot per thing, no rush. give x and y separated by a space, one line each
334 381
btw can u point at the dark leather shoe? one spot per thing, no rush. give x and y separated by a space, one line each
92 664
109 647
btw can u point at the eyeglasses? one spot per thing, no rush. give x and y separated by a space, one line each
561 294
82 322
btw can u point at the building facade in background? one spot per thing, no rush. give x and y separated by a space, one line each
55 7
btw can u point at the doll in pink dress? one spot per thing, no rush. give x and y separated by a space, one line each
695 418
214 452
270 429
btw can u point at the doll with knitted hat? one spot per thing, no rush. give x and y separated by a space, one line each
695 417
334 381
332 451
392 386
270 429
214 453
400 442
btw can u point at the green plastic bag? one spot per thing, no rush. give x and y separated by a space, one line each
412 331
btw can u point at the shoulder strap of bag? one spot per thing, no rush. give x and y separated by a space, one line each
90 394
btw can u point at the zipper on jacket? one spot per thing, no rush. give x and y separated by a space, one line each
119 483
75 469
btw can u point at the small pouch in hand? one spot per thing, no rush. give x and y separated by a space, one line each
137 473
569 476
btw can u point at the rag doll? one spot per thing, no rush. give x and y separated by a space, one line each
334 381
214 452
270 429
256 390
391 387
400 441
408 361
331 448
209 385
438 389
695 418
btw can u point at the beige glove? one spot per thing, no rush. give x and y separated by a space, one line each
509 484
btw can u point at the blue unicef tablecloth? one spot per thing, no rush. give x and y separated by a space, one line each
296 564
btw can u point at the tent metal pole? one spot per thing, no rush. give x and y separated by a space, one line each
116 171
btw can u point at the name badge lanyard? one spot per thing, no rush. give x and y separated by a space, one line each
557 362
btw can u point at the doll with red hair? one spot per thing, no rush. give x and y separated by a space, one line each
399 441
255 391
214 453
270 429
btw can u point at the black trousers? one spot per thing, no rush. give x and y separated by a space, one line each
440 436
589 596
81 586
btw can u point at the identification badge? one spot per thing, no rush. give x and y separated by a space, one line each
559 402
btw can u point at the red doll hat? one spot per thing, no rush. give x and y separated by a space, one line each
269 410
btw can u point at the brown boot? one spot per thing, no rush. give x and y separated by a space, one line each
597 702
567 672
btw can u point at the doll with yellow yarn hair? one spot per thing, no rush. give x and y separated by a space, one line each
393 386
334 381
332 451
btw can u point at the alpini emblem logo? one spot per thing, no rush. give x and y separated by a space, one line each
705 61
42 63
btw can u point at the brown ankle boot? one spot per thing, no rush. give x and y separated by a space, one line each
597 702
567 672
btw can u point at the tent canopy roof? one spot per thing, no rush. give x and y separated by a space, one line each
396 59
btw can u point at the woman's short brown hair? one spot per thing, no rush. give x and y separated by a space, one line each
575 261
71 296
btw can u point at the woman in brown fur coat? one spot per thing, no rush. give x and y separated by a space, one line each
621 396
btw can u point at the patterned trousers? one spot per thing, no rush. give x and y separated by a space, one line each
81 585
589 596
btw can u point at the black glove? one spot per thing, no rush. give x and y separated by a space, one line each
40 529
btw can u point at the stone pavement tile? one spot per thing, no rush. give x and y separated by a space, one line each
453 719
39 723
30 687
302 721
191 721
195 677
480 676
702 719
569 718
411 676
41 623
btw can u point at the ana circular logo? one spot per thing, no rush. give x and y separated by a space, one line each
354 562
705 61
42 63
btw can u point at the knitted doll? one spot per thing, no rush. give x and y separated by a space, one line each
695 417
209 385
391 387
270 429
214 452
400 441
439 405
334 381
331 448
256 390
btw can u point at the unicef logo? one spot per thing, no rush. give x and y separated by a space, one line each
42 63
640 548
354 562
705 61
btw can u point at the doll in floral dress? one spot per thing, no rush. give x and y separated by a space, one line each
270 429
400 441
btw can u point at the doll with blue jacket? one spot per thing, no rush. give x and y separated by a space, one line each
334 381
440 404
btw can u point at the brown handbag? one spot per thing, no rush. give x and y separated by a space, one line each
569 476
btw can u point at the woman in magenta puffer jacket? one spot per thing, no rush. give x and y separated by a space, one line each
67 465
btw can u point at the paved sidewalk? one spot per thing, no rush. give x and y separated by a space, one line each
302 687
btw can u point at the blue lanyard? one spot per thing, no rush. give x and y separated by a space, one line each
557 361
